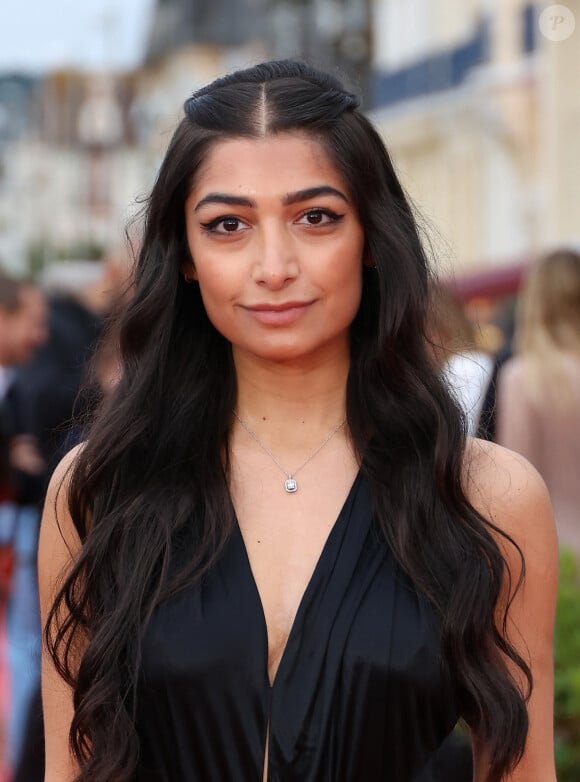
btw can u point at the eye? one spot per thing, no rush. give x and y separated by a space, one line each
320 217
224 225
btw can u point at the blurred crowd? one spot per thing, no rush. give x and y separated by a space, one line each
50 379
523 393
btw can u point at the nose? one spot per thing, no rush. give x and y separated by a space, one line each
276 263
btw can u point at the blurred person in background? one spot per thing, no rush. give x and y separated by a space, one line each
487 428
538 396
103 375
23 329
466 368
81 296
51 392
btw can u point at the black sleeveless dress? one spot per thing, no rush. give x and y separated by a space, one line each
359 695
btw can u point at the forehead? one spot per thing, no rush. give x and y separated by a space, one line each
283 163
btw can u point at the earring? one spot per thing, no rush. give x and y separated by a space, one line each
188 279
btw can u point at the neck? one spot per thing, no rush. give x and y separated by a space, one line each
280 396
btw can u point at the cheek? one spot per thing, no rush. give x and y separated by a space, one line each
218 293
211 295
346 275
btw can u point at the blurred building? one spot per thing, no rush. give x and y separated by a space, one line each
69 176
193 41
333 33
481 110
16 105
86 146
18 110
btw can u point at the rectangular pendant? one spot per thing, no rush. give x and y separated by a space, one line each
290 485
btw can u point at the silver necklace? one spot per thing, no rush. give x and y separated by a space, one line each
290 484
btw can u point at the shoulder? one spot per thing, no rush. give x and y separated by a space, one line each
57 527
513 371
500 481
60 479
508 491
58 549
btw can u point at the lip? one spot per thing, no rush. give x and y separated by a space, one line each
270 314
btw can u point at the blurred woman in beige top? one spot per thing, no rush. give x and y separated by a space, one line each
538 402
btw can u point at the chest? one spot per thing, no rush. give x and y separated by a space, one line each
284 535
359 692
360 665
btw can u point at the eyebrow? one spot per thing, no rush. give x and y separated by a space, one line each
287 200
312 192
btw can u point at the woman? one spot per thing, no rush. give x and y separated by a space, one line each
538 404
276 557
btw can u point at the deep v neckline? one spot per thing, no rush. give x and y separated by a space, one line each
315 577
360 691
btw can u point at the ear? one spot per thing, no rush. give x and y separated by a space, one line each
188 271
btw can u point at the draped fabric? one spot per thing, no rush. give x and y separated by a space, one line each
359 694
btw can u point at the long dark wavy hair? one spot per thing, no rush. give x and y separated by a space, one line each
154 470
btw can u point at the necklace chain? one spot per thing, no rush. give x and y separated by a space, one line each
290 484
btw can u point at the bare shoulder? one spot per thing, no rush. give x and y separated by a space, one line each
59 546
503 485
58 534
514 369
508 490
63 469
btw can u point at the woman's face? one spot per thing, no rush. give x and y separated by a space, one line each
277 247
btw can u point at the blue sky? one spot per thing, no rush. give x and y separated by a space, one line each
38 35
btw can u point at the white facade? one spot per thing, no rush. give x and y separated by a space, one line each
408 30
492 162
44 198
85 191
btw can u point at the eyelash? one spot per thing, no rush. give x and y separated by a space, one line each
213 224
334 216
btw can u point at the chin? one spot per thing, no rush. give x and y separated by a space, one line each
283 356
276 353
298 351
